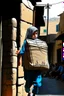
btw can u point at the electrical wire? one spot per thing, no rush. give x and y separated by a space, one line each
44 4
57 3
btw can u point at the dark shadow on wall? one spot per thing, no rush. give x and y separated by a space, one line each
10 8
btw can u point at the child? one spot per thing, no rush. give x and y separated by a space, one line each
32 77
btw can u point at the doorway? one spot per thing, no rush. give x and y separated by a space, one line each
59 55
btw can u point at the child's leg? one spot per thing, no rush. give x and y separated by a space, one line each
31 93
29 80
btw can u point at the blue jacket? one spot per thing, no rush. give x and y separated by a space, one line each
22 50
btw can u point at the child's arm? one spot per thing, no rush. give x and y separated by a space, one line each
21 52
17 52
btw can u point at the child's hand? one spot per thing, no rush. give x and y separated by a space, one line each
17 52
20 61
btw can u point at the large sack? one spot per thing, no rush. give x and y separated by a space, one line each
36 55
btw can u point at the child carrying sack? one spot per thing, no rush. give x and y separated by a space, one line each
36 55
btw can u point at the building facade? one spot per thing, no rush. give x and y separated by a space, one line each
60 40
50 38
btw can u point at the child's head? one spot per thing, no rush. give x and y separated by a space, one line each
32 33
35 35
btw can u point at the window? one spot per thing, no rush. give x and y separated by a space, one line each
44 30
57 28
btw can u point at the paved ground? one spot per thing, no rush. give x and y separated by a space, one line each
51 87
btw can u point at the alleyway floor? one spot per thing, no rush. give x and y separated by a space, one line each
51 87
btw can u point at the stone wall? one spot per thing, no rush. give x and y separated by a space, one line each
9 59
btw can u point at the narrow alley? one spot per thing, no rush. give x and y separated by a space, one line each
16 63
